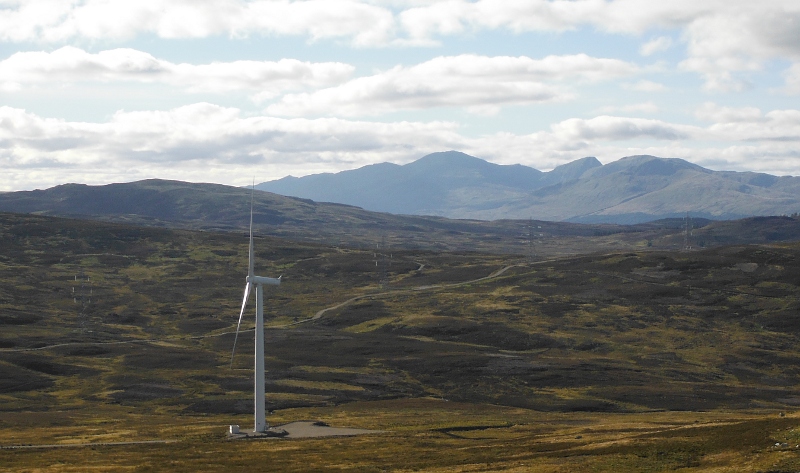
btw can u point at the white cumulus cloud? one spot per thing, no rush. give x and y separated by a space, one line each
792 76
478 83
613 128
361 23
725 39
646 86
711 112
662 43
740 40
70 64
644 107
776 125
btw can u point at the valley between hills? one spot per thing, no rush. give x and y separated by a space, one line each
632 356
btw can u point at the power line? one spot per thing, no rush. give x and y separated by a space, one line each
383 261
82 293
688 232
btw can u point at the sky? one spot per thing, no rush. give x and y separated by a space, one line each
232 91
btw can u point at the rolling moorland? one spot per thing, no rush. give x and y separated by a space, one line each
647 359
213 207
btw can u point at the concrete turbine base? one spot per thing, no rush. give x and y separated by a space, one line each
302 429
272 432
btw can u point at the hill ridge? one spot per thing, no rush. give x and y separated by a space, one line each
633 189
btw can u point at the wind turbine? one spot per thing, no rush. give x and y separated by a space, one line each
258 282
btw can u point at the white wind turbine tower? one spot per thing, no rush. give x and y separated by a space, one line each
258 282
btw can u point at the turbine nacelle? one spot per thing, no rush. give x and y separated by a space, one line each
263 280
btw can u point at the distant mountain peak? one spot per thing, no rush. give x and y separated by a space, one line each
644 165
573 170
632 189
447 156
449 160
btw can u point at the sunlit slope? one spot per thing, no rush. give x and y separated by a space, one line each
621 332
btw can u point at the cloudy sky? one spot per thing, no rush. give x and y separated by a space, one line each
100 91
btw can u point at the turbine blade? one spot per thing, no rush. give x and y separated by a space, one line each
241 313
250 255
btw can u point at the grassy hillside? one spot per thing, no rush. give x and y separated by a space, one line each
211 207
635 361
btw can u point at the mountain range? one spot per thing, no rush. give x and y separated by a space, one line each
214 207
631 190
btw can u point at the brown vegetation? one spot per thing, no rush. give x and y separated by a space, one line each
639 361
